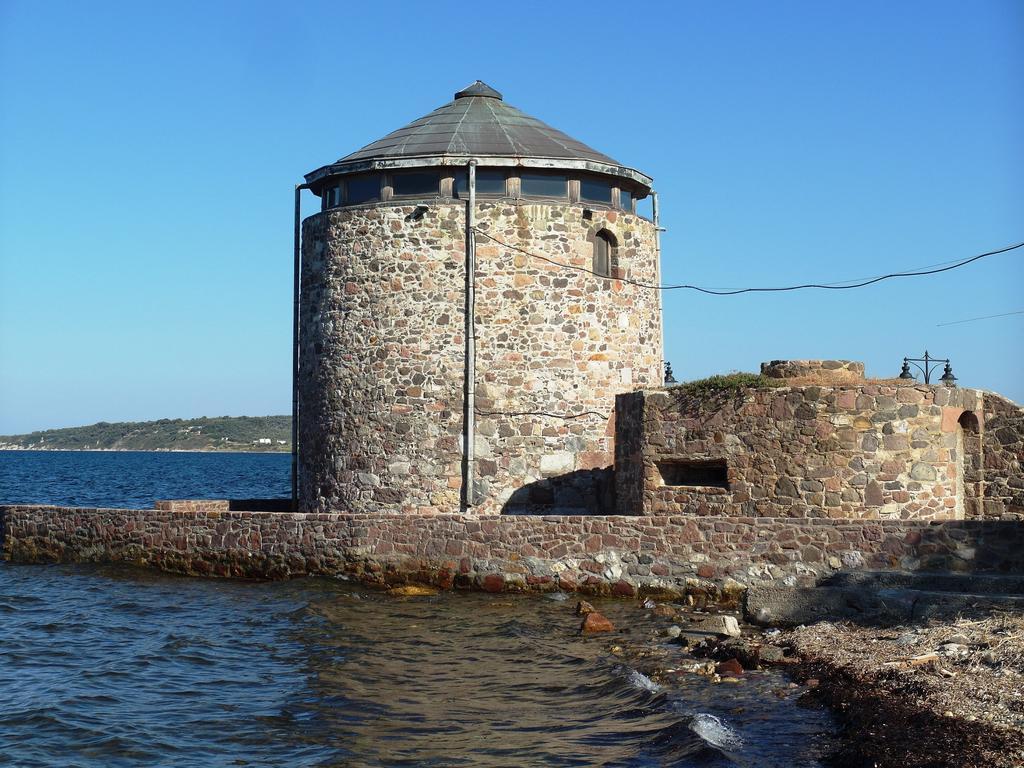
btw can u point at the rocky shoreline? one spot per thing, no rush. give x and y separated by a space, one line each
946 694
949 693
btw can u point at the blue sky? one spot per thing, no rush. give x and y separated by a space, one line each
148 154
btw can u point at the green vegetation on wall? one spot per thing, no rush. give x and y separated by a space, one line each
729 383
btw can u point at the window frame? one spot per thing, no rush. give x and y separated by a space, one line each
610 202
464 172
330 196
632 200
416 195
380 188
541 175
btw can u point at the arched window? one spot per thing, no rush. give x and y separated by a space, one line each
605 261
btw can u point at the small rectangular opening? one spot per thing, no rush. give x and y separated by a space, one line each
260 505
707 473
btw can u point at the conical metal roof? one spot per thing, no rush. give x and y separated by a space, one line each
478 123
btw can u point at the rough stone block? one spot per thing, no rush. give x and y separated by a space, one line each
558 463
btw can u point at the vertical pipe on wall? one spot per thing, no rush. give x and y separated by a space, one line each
297 245
657 225
469 419
655 215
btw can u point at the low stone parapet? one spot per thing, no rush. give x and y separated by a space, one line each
824 371
192 505
598 554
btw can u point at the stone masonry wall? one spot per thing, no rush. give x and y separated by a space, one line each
615 554
1003 452
830 371
382 363
881 450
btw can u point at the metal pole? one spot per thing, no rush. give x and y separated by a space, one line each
295 345
657 221
469 420
655 215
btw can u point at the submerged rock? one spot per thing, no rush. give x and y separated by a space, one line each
663 609
694 639
732 592
730 667
719 625
595 622
770 654
583 608
413 590
748 654
706 668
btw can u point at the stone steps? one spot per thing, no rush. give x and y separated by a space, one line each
884 598
1008 584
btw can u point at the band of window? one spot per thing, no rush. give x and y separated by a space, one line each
490 182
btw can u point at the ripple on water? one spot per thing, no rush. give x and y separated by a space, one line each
715 732
117 666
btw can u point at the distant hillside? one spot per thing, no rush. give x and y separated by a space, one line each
224 433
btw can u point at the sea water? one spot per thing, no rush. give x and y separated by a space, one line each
135 479
105 666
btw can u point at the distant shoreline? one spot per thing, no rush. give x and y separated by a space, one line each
219 434
19 449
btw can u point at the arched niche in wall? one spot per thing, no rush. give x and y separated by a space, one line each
970 467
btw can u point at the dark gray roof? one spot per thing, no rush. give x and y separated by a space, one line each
478 123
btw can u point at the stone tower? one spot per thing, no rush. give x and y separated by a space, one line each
388 362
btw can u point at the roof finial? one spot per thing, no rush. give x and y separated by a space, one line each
479 88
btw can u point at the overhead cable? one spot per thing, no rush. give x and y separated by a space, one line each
983 317
714 292
566 417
